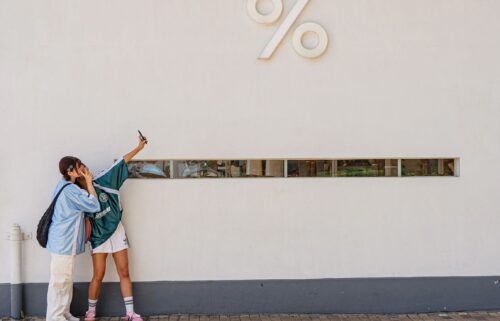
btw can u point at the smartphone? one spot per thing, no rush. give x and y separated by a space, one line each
142 136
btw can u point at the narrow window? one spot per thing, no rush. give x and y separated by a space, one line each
309 168
428 167
149 169
366 167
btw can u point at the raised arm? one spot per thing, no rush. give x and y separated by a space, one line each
128 157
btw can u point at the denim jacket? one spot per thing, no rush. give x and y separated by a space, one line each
67 230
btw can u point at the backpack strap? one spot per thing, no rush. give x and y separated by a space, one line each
59 193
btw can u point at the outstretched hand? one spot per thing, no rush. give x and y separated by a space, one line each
142 141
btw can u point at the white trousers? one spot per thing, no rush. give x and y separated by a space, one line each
60 290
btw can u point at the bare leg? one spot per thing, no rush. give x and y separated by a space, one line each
121 262
99 264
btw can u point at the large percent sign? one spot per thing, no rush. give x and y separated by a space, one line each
283 29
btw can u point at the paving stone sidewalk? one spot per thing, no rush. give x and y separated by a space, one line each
471 316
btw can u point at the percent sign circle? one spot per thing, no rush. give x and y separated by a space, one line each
283 29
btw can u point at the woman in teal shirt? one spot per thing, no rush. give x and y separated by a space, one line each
108 234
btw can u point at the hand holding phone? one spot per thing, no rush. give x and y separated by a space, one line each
142 137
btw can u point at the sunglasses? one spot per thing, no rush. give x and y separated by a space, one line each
72 167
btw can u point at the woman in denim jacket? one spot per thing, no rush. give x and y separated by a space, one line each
67 236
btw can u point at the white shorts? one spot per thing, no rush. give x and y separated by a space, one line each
116 243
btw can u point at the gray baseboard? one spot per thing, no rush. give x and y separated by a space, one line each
361 295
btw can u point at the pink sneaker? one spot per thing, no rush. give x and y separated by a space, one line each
90 316
131 316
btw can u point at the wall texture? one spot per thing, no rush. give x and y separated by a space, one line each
417 78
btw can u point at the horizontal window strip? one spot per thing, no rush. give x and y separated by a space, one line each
290 168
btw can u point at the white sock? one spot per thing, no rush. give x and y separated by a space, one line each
129 304
92 304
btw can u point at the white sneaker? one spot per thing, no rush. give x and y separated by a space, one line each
70 317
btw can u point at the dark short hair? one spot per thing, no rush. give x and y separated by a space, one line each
67 163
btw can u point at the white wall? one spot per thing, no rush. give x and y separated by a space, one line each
415 78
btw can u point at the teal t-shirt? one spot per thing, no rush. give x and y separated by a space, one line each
107 185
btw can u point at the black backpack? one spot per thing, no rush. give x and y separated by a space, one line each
42 231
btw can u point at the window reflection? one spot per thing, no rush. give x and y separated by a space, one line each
446 167
294 168
265 168
228 168
309 168
427 167
199 168
149 169
237 168
366 167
